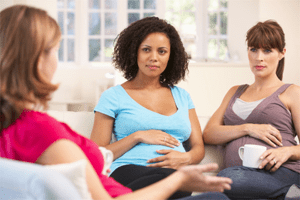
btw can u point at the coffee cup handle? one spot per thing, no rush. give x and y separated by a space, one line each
241 152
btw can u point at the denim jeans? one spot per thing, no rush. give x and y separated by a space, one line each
207 196
250 183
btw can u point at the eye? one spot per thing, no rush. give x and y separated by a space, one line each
162 51
146 49
267 50
253 49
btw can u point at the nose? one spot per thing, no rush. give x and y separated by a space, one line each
154 56
260 55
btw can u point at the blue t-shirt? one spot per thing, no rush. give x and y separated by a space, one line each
131 117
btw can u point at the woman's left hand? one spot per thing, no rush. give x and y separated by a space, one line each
274 158
171 159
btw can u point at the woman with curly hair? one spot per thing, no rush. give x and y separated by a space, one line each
149 116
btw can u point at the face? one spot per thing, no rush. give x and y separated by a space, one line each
264 62
153 55
48 62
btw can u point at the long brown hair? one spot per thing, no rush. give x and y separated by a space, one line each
25 34
268 35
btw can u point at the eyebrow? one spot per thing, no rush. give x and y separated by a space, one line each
145 45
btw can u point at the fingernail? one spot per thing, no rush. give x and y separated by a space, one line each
260 167
261 158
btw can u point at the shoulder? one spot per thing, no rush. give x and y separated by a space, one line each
112 90
40 121
293 89
233 90
179 90
293 93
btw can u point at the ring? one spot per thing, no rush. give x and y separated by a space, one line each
274 161
165 139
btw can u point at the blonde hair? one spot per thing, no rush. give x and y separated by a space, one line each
25 34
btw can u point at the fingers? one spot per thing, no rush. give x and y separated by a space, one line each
169 141
269 162
219 184
157 159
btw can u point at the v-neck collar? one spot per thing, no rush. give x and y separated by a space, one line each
258 108
149 109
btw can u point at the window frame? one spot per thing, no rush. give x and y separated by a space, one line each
82 25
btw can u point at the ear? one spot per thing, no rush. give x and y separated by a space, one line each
282 54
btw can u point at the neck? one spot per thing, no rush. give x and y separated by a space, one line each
264 83
146 83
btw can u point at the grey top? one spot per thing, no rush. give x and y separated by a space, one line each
270 111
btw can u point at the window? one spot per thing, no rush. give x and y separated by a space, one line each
102 29
138 9
217 30
203 35
90 26
66 20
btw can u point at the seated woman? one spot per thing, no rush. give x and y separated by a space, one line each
29 41
149 116
265 113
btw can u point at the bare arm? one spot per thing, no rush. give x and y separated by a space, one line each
216 132
189 179
102 134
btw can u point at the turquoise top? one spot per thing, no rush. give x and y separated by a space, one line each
131 117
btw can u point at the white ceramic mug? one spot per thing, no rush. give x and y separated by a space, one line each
250 154
108 159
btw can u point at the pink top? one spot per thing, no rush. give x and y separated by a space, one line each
33 132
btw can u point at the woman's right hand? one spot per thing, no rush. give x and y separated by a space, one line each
266 133
195 180
157 137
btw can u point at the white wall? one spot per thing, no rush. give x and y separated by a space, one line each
287 14
242 15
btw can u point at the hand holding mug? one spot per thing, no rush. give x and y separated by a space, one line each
251 155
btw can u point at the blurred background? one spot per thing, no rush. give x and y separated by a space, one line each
213 33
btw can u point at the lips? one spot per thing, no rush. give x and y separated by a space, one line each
152 66
259 67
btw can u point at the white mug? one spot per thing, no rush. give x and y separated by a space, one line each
108 159
250 155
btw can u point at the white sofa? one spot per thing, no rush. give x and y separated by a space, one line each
82 122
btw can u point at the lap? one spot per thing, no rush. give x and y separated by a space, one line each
129 173
259 184
136 177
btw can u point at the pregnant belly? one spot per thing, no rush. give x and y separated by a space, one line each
140 153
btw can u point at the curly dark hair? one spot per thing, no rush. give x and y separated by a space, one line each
129 40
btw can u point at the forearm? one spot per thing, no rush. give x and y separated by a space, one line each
122 146
221 134
294 152
196 154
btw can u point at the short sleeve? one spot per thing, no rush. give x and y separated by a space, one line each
35 134
108 103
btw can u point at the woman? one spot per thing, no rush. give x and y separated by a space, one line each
265 113
149 116
29 41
